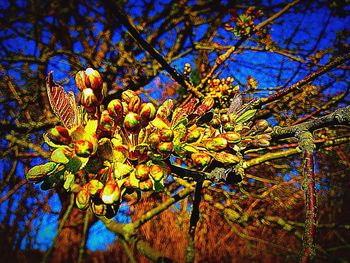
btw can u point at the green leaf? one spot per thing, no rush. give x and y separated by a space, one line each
74 164
246 116
39 172
121 169
53 180
59 156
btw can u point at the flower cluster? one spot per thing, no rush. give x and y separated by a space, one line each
244 23
221 90
118 151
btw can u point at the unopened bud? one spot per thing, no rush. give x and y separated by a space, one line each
39 172
224 157
88 98
106 121
83 148
231 136
80 80
115 109
132 122
146 185
154 139
200 158
94 186
166 135
225 118
215 144
111 192
156 172
59 135
206 105
165 147
134 104
147 112
93 79
142 172
193 135
99 209
261 125
127 95
82 199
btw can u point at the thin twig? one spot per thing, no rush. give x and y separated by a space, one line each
278 95
84 237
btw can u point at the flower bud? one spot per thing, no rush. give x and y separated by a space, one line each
127 95
154 139
225 118
59 135
200 158
80 80
115 109
134 104
215 122
132 122
224 157
147 112
156 172
193 135
215 144
106 121
146 185
83 148
111 192
231 136
261 125
139 153
94 186
93 79
165 147
99 209
229 126
88 99
141 172
260 142
166 135
206 105
82 199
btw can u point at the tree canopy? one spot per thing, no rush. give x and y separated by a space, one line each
189 131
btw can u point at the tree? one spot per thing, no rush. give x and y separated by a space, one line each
291 120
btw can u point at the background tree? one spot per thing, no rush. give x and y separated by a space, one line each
298 51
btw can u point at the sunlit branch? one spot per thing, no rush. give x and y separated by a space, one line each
307 145
338 117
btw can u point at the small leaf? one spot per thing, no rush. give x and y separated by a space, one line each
121 169
160 123
59 156
246 116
